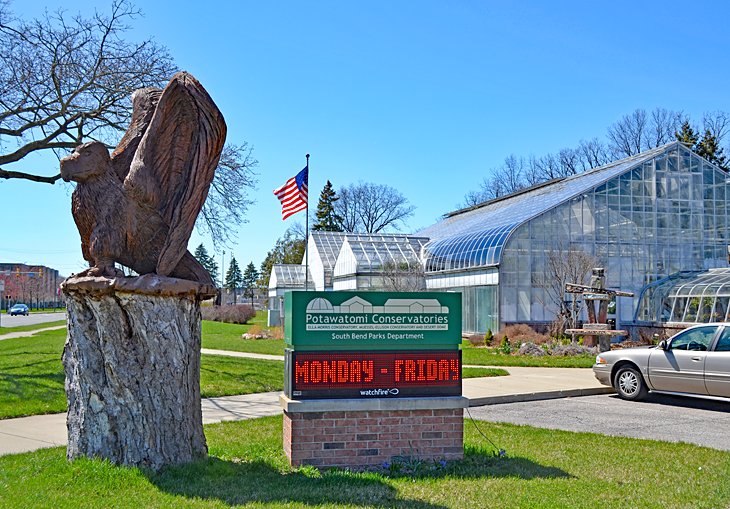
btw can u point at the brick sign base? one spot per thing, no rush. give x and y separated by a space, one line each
357 433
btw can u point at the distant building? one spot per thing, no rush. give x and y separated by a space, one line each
34 285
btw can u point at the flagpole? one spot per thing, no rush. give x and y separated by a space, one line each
306 238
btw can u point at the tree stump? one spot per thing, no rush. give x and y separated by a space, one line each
132 362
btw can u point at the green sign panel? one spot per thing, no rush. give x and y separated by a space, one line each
373 320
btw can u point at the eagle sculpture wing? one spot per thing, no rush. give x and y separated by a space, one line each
175 161
144 102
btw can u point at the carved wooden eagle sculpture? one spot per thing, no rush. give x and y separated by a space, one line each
138 206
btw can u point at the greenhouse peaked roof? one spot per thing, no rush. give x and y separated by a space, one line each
474 236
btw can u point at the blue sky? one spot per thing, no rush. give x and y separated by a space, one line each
423 96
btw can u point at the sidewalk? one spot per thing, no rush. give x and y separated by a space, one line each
524 384
28 333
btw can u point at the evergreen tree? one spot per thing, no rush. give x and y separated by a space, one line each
207 261
710 149
250 277
687 135
327 218
234 278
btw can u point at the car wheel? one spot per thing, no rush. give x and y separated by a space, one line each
629 384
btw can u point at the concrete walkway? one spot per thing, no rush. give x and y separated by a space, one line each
28 333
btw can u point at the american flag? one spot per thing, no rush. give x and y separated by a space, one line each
293 194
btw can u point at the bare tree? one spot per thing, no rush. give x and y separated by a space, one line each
403 277
347 208
593 153
473 198
570 163
505 179
663 125
639 131
565 265
66 80
626 136
371 208
548 167
718 123
228 198
533 172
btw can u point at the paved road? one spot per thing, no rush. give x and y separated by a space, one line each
668 418
32 319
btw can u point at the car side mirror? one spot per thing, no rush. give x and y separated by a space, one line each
663 344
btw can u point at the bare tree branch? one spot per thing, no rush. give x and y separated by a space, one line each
371 208
403 277
228 198
65 80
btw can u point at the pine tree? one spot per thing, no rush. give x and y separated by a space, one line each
687 135
207 261
710 149
250 277
234 278
327 218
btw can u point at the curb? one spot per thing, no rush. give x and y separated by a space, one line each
538 396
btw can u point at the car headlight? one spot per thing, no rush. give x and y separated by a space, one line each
600 360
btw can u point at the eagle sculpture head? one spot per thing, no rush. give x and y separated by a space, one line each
87 161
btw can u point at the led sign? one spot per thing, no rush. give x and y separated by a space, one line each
389 374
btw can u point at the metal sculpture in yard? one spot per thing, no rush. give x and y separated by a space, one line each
132 357
597 296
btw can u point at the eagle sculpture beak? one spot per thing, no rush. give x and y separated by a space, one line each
67 166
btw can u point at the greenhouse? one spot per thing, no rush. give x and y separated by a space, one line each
284 278
323 249
642 218
380 262
686 298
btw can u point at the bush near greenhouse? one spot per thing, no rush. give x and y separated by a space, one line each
239 314
522 333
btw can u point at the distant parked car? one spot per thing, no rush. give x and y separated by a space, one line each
19 309
694 362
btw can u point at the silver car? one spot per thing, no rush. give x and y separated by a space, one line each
694 362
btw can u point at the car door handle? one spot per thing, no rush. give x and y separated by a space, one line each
696 358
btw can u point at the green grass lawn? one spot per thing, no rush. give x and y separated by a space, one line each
482 372
227 336
491 357
247 467
37 326
32 378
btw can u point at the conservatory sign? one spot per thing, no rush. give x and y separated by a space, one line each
382 320
372 344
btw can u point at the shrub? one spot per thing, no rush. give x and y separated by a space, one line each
523 333
504 345
229 314
488 337
475 340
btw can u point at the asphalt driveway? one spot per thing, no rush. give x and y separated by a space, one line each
668 418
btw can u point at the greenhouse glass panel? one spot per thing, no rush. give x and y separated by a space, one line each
695 297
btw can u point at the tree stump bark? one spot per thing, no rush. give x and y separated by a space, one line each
132 362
